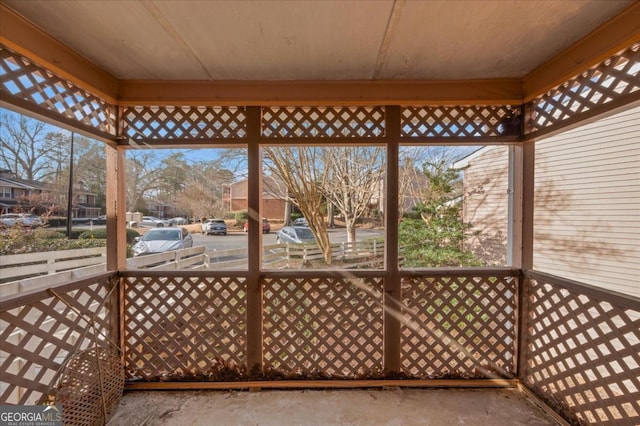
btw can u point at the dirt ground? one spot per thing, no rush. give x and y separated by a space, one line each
401 407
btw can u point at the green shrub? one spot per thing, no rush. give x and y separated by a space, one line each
101 233
75 234
20 241
56 221
242 216
131 235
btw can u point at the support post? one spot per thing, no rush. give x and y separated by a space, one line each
527 154
392 284
116 209
254 285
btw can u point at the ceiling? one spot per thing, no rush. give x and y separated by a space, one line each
318 40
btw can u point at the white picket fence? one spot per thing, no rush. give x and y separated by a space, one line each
34 271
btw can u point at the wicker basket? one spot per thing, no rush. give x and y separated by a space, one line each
90 386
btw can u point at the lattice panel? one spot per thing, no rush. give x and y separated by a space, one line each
460 121
184 123
583 355
332 327
323 122
38 338
183 326
459 327
24 80
610 80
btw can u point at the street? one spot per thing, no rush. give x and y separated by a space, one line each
235 240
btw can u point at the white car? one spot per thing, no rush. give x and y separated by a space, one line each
154 221
179 221
163 239
301 221
214 226
27 220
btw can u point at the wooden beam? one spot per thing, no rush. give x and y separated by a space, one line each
321 93
24 38
326 384
607 40
542 405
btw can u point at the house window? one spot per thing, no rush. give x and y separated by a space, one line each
82 198
5 192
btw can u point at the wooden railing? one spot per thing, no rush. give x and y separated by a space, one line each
581 350
41 331
329 324
575 347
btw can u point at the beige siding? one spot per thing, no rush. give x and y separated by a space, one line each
485 204
587 206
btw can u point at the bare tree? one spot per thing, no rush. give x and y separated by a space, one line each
302 170
203 189
356 177
23 144
413 186
142 178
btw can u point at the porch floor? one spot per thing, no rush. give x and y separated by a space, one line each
394 406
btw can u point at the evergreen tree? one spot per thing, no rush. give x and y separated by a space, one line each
432 234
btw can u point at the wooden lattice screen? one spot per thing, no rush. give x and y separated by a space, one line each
323 122
610 81
460 121
39 333
459 326
583 351
180 326
26 83
324 327
197 123
320 326
614 81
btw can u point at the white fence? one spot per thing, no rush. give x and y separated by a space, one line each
33 271
27 272
190 258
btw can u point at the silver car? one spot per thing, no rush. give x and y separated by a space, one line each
27 220
154 221
163 239
214 226
295 235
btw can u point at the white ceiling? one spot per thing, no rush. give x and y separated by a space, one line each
318 40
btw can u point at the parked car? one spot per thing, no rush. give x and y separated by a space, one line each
295 235
100 220
27 220
154 221
301 221
266 226
161 240
214 226
179 221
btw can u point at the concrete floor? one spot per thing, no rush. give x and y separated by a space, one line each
402 407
